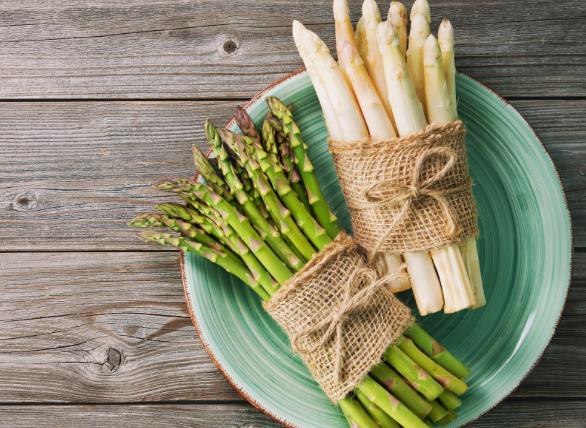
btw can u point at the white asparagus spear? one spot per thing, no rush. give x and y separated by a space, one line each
421 7
417 36
339 92
468 247
458 292
398 18
378 122
368 47
410 118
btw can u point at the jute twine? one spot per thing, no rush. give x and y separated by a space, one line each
408 194
339 315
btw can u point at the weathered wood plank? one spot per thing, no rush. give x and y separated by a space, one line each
512 413
113 327
72 174
99 327
194 49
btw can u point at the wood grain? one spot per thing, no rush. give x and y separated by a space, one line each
518 414
113 327
194 49
73 173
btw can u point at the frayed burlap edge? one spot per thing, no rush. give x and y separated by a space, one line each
408 194
339 315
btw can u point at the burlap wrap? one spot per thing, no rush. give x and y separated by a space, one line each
408 194
340 317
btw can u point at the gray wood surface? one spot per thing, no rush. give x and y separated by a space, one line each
99 98
193 49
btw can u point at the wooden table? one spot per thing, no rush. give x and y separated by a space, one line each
101 98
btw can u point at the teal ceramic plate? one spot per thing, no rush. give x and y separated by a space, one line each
525 247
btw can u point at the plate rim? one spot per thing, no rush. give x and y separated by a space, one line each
240 390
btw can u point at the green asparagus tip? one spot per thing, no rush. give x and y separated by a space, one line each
147 220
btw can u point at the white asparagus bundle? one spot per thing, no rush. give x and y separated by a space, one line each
379 89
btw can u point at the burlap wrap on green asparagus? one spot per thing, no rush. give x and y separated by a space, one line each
339 316
408 194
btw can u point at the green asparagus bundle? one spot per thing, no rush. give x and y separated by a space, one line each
266 233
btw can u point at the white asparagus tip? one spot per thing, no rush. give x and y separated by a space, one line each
370 10
397 13
419 27
445 34
386 34
298 29
341 11
431 51
421 7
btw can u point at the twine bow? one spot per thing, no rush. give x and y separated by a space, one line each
393 194
333 324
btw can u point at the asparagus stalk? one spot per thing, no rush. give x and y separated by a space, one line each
239 222
433 349
450 400
245 123
458 292
389 404
377 120
381 418
312 229
417 36
280 215
208 172
469 252
222 258
392 381
355 414
444 377
409 116
447 419
367 44
267 231
413 372
421 7
316 198
438 412
398 19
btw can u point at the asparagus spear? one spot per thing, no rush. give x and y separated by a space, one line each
389 404
392 381
317 200
210 175
447 419
413 372
433 349
355 414
273 237
417 36
438 412
222 258
398 19
381 418
239 222
444 377
377 120
421 7
450 400
245 123
280 215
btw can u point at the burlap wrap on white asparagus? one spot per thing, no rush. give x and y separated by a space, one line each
339 315
411 193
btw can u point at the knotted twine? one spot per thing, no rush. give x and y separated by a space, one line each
408 194
339 315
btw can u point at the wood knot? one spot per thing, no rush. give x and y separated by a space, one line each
26 201
229 46
113 360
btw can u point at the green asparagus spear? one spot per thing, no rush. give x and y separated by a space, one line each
415 375
239 222
438 411
269 138
280 215
389 404
444 377
182 212
245 123
316 198
251 150
355 414
222 258
392 381
381 418
450 400
273 237
437 352
447 419
210 175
